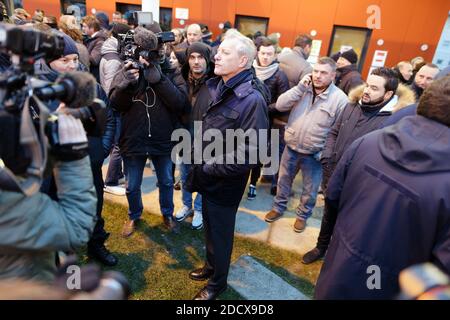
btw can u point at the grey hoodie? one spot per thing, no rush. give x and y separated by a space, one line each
110 63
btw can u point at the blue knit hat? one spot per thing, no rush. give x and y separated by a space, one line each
70 46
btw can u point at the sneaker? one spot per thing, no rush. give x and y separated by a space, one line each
197 220
272 216
313 255
299 225
183 213
251 195
115 190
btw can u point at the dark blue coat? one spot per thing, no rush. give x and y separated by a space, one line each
390 192
235 105
400 114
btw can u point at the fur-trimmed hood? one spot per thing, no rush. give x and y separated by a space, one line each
403 97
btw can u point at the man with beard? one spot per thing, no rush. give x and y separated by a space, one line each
315 104
348 76
370 105
424 77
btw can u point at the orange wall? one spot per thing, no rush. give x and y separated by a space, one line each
405 24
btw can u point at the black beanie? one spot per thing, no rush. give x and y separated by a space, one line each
199 47
350 55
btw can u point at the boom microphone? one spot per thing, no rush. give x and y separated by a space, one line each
145 39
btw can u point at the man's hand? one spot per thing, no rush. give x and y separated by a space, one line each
306 81
152 72
131 75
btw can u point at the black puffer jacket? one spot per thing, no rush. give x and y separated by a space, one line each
149 113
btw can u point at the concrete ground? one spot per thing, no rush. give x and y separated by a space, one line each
250 219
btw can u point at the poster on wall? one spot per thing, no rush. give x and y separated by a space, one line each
182 13
315 51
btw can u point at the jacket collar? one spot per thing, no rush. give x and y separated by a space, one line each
323 95
301 52
240 85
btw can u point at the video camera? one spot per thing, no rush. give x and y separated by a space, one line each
142 42
23 113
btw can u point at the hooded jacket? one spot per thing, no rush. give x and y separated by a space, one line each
110 63
390 194
94 46
357 120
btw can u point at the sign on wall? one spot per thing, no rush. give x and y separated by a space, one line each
182 13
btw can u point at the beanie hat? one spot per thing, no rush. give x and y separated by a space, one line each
70 46
350 56
199 47
103 19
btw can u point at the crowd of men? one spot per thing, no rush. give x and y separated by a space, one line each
378 149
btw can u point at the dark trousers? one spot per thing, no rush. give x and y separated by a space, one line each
255 174
115 172
99 235
219 222
328 220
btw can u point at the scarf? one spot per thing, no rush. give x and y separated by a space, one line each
264 73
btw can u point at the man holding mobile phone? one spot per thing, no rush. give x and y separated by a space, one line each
315 103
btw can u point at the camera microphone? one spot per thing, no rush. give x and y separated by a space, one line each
145 39
76 89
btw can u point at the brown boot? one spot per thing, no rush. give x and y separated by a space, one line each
272 216
129 227
299 225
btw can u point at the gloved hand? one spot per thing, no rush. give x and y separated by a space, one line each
72 141
152 72
130 74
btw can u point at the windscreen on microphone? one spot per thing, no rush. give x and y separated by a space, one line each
145 39
81 88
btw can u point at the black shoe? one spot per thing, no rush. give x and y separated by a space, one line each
171 224
313 255
177 185
273 190
103 255
209 294
200 274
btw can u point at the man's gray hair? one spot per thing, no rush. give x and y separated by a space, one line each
245 46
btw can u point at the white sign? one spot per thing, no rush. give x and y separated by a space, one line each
153 7
345 48
315 51
379 58
182 13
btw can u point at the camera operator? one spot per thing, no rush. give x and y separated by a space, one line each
33 226
99 146
150 102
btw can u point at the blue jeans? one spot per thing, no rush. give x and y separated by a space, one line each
135 171
291 163
186 195
114 173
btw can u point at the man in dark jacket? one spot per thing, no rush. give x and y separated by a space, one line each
221 179
347 75
97 36
268 70
150 103
196 71
370 105
100 144
390 195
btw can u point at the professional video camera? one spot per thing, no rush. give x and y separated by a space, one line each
142 42
24 117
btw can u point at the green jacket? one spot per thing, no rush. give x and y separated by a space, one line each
33 228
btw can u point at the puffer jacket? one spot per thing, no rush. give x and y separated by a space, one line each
33 228
310 122
110 63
